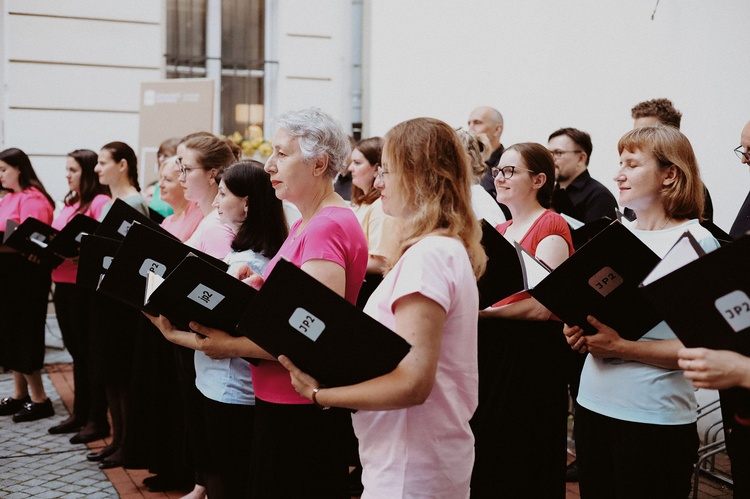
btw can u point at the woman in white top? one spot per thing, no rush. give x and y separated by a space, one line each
635 425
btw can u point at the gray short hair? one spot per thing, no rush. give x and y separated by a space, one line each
318 133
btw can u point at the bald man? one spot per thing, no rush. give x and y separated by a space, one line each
489 121
742 222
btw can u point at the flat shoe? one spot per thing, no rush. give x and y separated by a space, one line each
85 437
107 464
10 406
99 456
33 411
70 425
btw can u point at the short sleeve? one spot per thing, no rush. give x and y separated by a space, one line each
36 205
325 240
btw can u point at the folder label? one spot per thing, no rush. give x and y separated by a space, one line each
150 265
605 281
206 296
306 323
124 228
107 261
80 236
735 308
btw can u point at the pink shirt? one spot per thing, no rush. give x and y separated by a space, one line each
27 203
212 237
184 226
67 270
334 235
427 450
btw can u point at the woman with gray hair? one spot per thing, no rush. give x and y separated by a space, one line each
299 450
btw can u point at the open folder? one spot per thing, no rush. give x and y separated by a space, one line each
510 268
96 256
601 279
33 237
120 218
321 332
705 299
144 250
199 291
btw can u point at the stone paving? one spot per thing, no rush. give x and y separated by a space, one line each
34 463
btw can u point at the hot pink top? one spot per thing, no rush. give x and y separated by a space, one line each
427 450
67 270
19 206
334 235
184 226
212 237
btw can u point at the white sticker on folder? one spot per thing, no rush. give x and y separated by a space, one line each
80 236
206 296
605 281
106 262
306 323
124 228
735 308
150 265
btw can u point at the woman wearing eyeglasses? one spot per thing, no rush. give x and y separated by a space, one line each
520 424
636 416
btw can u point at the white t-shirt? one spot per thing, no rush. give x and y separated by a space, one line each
427 450
637 392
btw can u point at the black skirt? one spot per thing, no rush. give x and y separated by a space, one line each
24 295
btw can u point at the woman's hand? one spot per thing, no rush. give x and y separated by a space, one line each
575 338
171 333
302 382
215 343
716 369
606 343
244 273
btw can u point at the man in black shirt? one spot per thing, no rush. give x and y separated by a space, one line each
742 222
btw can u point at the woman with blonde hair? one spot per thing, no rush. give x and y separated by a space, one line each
481 201
636 417
413 423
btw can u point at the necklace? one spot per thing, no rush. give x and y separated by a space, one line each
315 212
665 223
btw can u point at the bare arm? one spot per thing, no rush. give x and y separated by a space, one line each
717 369
420 321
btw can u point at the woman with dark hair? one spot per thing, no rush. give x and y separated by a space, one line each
88 197
23 297
246 202
636 432
522 389
380 229
114 323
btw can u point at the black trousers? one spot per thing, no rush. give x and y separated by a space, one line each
624 460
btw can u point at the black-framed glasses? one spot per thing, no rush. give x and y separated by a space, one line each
559 152
742 154
507 171
184 170
380 175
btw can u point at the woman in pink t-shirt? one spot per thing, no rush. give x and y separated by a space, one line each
187 214
24 292
87 197
413 423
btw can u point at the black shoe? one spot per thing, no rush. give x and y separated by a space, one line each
99 456
571 472
87 435
108 464
70 425
32 411
165 483
10 406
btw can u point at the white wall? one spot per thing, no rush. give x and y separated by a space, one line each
71 74
579 63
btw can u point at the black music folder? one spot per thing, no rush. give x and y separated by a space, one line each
120 218
10 226
601 279
581 233
95 258
321 332
144 250
67 243
706 301
32 237
510 268
199 291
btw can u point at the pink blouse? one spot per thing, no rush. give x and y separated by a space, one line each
19 206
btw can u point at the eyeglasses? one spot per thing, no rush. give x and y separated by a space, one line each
507 171
184 170
742 154
557 152
381 174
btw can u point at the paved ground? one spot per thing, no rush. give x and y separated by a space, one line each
35 464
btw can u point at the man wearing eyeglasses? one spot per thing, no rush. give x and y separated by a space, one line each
742 222
576 194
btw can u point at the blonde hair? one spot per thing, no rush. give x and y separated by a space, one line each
474 148
684 197
428 163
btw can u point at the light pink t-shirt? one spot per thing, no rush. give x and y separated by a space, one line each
19 206
427 450
184 226
212 237
67 270
334 234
